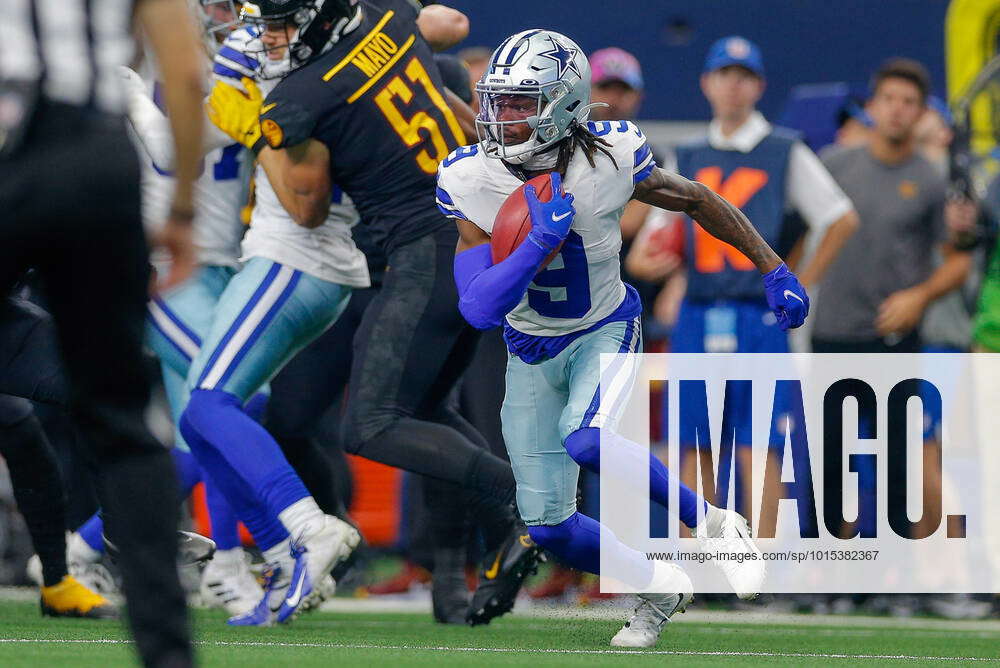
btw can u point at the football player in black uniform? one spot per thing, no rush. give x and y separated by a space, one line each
364 108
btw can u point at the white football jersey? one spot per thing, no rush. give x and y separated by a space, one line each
219 195
327 252
583 284
219 192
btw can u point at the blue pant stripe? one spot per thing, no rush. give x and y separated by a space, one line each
177 320
261 289
169 339
259 330
173 328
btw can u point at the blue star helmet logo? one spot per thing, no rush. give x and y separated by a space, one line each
565 57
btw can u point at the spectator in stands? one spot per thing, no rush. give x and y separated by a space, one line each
476 58
616 78
876 291
947 324
853 127
933 133
767 172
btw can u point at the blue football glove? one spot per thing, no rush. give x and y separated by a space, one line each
550 221
786 297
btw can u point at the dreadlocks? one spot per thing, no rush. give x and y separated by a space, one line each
580 136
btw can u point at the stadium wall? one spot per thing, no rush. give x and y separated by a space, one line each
803 41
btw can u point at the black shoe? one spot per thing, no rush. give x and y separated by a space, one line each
449 591
504 573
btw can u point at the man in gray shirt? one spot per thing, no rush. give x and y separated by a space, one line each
875 293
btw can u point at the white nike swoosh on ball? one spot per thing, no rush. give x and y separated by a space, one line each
293 600
556 219
789 293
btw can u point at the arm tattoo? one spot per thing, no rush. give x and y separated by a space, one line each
719 218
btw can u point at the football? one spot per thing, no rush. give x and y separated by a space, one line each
513 222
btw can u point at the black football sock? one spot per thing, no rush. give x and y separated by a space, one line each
490 495
447 515
38 490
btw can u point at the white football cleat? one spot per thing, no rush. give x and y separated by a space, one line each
228 583
726 531
317 551
654 610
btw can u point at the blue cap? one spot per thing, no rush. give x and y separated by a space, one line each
735 50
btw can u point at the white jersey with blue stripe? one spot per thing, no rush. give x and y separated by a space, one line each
582 286
327 252
219 192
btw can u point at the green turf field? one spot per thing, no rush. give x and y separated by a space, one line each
405 639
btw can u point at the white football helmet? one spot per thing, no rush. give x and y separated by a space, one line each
537 63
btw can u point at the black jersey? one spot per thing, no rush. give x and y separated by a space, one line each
375 101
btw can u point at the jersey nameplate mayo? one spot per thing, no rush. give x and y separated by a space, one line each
374 99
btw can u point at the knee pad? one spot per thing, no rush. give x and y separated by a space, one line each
584 446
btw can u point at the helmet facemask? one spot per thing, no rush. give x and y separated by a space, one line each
271 48
219 18
545 66
545 130
309 27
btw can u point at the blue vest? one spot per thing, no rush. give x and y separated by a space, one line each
755 182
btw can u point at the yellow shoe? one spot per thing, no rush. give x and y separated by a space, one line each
69 598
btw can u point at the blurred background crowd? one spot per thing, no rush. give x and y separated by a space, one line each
889 207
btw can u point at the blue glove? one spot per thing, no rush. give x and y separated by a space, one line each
550 221
786 297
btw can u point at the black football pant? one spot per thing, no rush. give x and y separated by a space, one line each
304 410
306 395
36 482
409 352
70 203
482 389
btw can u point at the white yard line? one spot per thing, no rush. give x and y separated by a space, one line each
511 650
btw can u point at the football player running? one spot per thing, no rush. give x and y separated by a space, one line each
294 283
179 318
364 108
534 101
